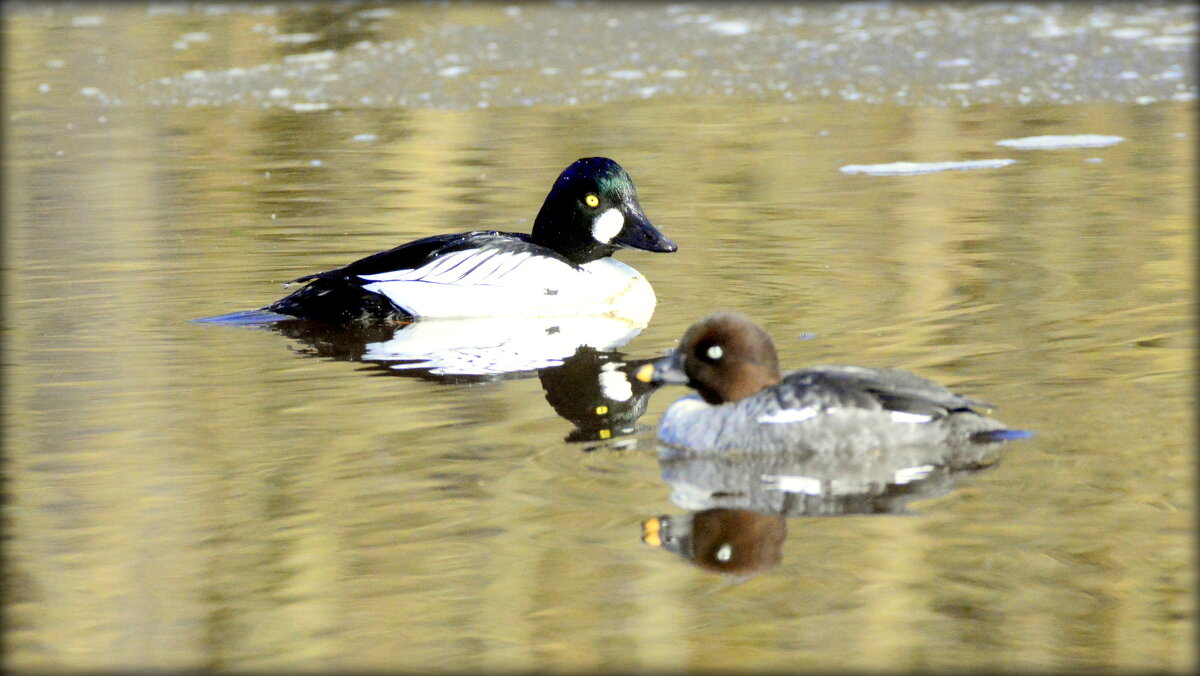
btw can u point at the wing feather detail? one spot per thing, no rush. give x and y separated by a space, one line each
470 267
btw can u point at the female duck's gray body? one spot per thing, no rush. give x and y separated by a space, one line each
744 403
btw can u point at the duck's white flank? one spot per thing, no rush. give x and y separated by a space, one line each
483 283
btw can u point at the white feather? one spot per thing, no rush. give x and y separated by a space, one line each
903 417
491 345
790 415
613 383
910 474
482 283
792 484
607 225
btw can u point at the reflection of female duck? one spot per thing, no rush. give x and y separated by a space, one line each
739 502
736 542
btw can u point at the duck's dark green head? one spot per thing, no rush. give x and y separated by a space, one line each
592 210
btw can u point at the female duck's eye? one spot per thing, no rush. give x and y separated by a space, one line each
714 352
592 200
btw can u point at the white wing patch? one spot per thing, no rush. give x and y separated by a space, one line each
607 225
792 483
903 417
491 283
910 474
790 415
468 267
479 282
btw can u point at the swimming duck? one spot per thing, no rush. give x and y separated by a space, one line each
745 403
563 268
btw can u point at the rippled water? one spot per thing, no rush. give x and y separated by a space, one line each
181 494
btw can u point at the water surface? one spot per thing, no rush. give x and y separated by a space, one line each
184 495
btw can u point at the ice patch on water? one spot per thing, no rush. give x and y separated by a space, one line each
1169 41
734 27
379 13
311 57
1129 33
87 21
296 38
1054 142
912 168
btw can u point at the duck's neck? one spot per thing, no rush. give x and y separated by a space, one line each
577 247
749 380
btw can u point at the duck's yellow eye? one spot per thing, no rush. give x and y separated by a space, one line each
591 200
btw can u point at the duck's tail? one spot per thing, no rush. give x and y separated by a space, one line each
988 436
244 318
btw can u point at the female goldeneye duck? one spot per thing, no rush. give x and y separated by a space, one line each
564 267
745 403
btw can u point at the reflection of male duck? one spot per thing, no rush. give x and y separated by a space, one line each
586 381
494 346
598 393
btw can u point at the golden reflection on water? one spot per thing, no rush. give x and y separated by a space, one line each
189 495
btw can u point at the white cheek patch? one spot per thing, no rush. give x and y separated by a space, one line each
614 385
607 225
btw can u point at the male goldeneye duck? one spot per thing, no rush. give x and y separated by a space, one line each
564 267
745 403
